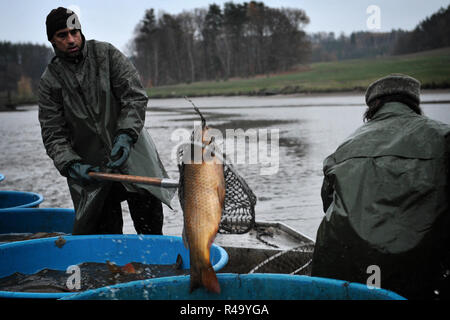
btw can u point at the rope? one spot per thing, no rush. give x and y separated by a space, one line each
279 254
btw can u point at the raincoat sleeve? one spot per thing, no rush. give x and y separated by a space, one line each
447 140
327 185
128 90
55 135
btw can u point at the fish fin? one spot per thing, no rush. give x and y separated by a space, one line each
113 268
213 237
184 237
209 280
205 277
128 269
179 262
211 142
198 111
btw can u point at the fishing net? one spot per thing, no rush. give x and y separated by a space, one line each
292 261
238 214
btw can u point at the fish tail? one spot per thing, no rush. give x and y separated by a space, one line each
209 280
206 277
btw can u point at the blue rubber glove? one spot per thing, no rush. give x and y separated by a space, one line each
120 151
80 171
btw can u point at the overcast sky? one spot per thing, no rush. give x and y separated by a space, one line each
114 20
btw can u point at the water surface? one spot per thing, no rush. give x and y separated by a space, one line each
310 128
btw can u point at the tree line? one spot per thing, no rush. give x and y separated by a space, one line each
325 46
238 40
21 67
431 33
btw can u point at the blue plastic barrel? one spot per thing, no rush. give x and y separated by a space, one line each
2 177
262 286
33 220
31 256
19 199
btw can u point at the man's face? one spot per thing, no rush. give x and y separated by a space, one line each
68 41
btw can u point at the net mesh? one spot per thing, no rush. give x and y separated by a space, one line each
238 215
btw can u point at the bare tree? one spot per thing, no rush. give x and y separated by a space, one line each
239 40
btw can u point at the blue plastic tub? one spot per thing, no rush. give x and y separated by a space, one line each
19 199
32 220
263 286
31 256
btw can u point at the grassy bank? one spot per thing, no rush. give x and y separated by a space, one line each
432 68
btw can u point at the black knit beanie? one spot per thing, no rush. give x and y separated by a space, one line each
61 18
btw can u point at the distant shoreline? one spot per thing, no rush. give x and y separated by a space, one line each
431 68
20 107
353 76
317 93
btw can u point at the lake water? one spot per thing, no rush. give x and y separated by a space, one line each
310 128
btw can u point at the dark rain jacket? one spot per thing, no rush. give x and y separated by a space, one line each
386 198
82 107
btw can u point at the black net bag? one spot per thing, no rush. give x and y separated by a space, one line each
238 215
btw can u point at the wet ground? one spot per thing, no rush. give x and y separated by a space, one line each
310 128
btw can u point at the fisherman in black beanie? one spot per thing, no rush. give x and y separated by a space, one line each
64 32
92 109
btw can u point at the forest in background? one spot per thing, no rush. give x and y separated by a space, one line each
21 67
220 43
240 40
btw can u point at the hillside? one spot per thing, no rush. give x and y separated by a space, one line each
432 68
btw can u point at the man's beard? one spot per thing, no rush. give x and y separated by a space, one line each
75 54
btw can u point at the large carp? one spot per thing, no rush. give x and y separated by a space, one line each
201 193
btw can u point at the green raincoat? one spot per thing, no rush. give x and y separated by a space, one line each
386 198
82 107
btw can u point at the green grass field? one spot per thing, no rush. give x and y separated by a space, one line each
432 68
